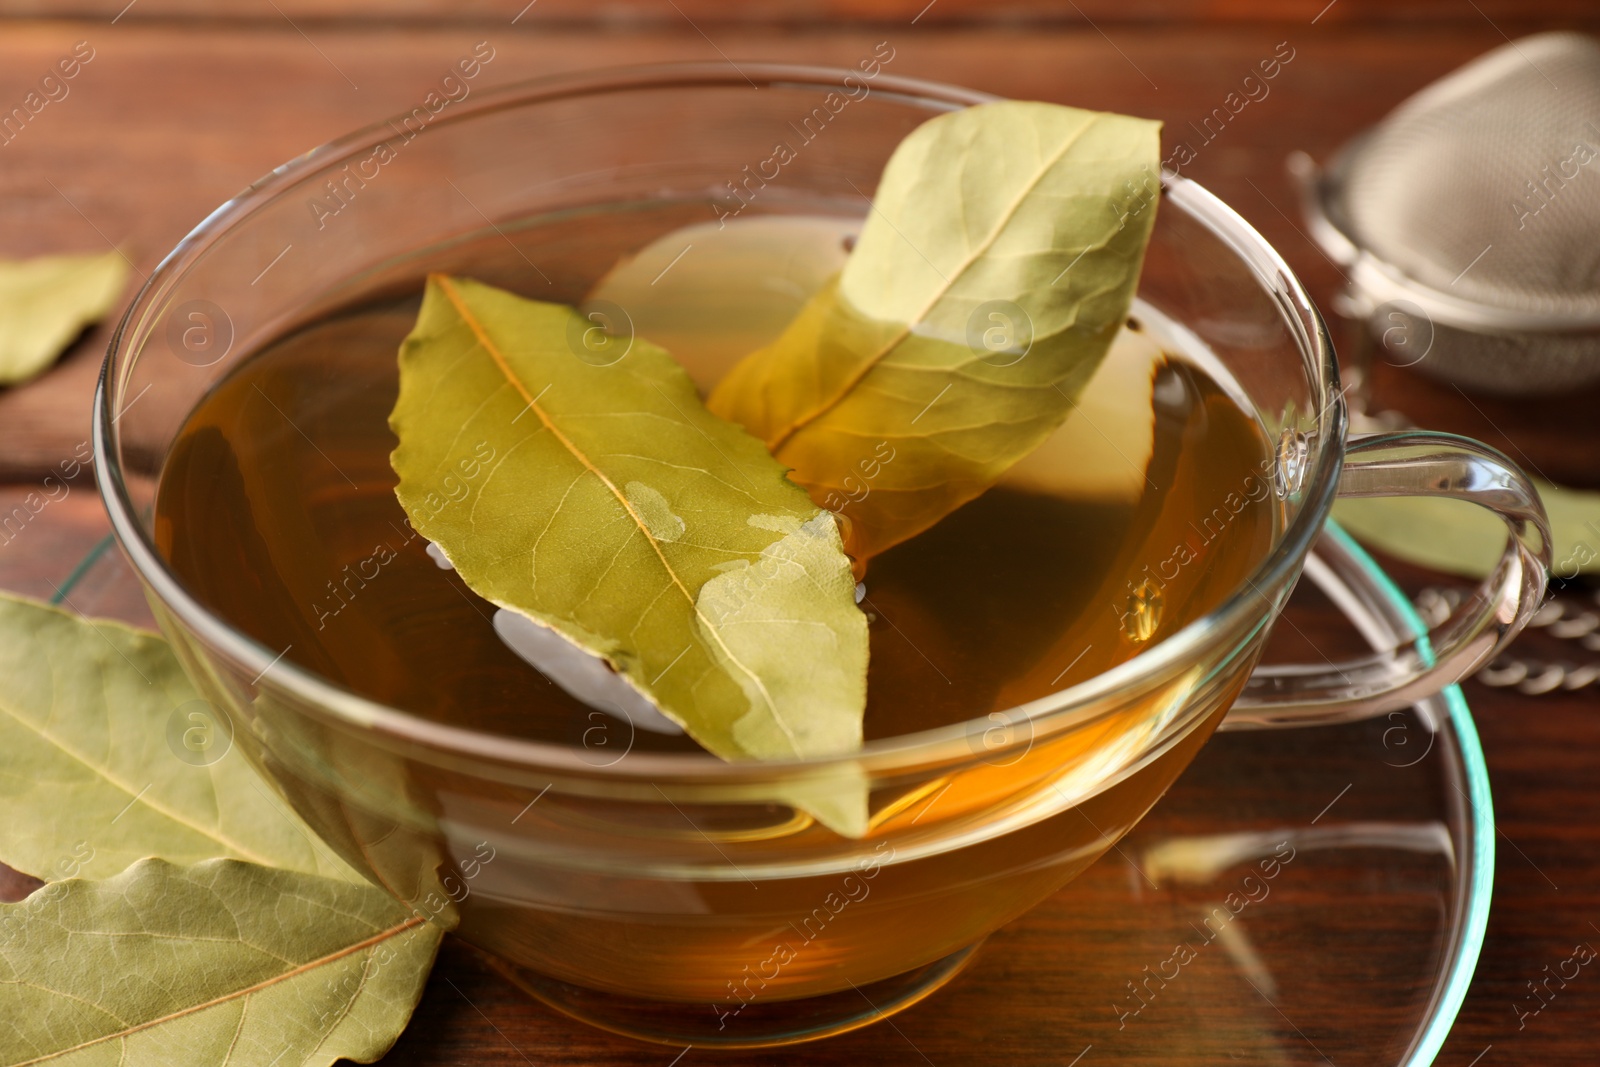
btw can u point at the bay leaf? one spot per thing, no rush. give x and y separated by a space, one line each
90 778
220 962
1460 538
1102 450
714 292
998 262
598 497
47 301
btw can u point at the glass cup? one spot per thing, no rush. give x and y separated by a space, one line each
675 897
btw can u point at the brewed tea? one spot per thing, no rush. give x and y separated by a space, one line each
276 507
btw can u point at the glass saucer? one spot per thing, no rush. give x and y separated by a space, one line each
1304 896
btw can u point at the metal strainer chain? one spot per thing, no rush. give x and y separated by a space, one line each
1564 619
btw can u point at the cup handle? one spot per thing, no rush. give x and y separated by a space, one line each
1418 463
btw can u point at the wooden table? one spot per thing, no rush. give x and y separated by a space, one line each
178 110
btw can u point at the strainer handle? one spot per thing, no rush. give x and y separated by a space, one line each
1418 463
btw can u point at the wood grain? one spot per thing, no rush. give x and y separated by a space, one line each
174 115
659 14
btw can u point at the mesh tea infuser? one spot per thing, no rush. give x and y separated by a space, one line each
1468 221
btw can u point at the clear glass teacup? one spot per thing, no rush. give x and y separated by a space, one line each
675 897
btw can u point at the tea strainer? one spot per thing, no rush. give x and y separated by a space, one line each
1468 221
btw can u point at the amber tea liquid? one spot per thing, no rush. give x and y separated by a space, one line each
276 507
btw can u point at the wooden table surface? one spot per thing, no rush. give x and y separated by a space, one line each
178 110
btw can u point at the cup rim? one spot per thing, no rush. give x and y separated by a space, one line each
1044 715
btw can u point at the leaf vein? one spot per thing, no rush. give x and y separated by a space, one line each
777 443
488 345
140 796
248 991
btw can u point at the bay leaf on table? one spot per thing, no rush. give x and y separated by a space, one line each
596 496
89 779
220 962
998 262
291 960
47 301
1460 538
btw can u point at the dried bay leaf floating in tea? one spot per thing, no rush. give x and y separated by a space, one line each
618 512
998 262
717 292
222 962
46 302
